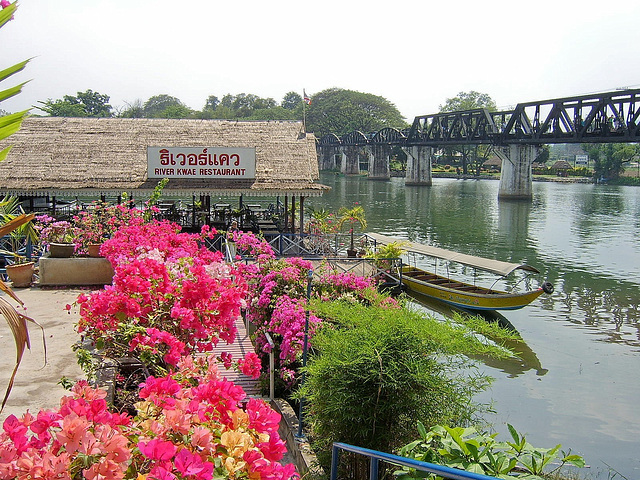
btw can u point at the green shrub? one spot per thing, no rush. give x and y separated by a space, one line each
375 371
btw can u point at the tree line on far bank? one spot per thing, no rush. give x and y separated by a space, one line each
334 110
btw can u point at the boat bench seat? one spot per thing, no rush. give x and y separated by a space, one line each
426 278
469 288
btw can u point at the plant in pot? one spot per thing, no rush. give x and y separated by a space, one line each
98 222
353 217
20 267
19 230
57 235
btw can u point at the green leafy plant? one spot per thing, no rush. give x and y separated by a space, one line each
384 253
11 212
10 124
470 450
353 217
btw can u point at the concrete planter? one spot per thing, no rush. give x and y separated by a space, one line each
75 271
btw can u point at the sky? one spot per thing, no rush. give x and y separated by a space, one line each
416 54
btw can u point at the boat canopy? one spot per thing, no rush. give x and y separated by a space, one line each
494 266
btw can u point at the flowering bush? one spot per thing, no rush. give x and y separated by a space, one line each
278 306
51 230
170 296
181 431
101 220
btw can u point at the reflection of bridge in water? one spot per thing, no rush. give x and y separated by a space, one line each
515 136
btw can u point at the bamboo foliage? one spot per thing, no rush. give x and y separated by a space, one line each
10 124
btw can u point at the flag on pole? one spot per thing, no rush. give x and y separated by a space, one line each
307 98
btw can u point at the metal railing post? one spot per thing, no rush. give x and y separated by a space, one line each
335 453
271 366
373 469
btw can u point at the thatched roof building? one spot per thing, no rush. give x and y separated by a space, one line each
561 165
107 156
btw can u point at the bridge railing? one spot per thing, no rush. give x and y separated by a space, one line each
608 117
376 457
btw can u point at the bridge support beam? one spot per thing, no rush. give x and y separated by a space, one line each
350 160
516 179
329 158
418 165
379 162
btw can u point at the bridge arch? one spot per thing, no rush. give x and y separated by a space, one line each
329 140
355 138
389 136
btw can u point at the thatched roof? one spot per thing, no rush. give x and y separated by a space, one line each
561 165
494 161
105 156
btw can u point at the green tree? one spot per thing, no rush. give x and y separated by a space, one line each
474 155
211 103
133 110
341 111
84 104
468 101
176 111
609 158
155 107
291 101
273 113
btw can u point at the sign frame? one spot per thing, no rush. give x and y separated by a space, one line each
213 163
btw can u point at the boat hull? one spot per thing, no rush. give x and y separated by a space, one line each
478 299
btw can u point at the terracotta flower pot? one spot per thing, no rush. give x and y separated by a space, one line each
61 250
93 250
21 274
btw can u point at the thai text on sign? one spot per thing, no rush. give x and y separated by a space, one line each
201 162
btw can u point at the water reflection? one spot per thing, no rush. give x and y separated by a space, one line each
524 359
576 382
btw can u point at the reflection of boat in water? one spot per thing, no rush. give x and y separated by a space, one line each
457 293
524 358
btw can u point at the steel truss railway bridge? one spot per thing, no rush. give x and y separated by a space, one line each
515 136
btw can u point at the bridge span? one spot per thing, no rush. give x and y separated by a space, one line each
514 135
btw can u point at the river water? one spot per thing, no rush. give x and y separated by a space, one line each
578 381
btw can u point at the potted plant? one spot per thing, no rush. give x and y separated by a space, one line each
19 230
58 236
98 222
353 217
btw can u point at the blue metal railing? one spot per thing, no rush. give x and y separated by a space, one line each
376 457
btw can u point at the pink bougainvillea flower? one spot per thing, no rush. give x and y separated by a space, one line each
191 464
157 449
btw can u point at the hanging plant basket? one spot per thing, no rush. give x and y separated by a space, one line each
21 274
61 250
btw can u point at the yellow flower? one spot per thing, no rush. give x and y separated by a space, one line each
236 443
240 419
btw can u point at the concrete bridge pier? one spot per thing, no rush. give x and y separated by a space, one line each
418 165
516 179
379 162
350 160
327 158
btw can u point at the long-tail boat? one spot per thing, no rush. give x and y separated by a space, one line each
460 293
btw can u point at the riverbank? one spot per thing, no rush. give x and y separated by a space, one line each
536 178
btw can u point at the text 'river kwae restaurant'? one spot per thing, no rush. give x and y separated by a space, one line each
54 157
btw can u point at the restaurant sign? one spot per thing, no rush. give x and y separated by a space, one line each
217 163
